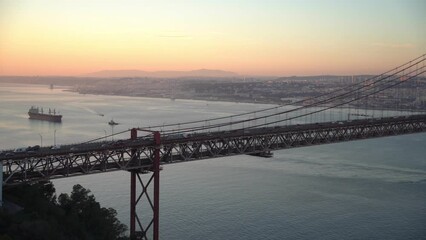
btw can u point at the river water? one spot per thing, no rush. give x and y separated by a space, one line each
369 189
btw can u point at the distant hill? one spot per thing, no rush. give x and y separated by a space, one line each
162 74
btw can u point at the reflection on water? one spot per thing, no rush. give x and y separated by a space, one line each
39 124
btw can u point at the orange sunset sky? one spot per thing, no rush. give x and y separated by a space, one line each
252 37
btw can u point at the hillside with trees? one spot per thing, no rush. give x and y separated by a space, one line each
38 214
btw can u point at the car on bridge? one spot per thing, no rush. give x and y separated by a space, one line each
33 148
176 136
119 143
4 154
20 150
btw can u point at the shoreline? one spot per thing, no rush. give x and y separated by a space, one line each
286 102
244 101
180 98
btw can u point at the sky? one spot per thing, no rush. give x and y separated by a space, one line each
249 37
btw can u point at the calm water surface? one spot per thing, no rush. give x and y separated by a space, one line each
369 189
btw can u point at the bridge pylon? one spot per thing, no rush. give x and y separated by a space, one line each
154 183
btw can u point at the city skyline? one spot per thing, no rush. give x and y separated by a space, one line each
279 38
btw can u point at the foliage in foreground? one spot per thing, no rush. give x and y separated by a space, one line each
75 216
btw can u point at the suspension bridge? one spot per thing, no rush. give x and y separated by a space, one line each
347 114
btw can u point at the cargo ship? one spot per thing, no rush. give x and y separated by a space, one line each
37 113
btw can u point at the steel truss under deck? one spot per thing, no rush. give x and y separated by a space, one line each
140 157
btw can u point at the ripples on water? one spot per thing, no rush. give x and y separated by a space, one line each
370 189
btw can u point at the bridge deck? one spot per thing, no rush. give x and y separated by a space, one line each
78 159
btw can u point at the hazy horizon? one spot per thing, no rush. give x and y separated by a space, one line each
254 38
151 74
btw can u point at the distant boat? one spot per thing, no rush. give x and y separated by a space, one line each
112 123
51 86
37 113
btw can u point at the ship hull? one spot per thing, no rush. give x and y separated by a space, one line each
45 117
